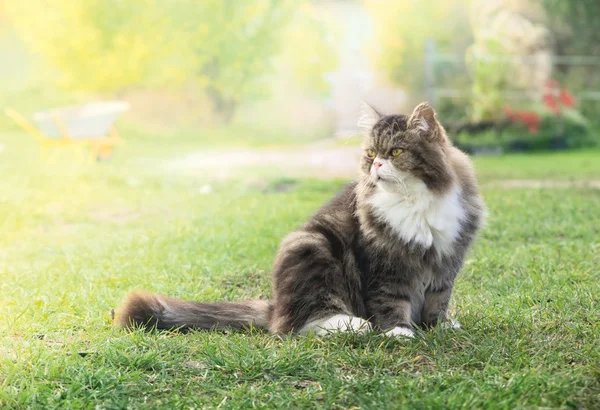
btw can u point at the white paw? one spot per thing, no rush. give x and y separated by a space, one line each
400 331
336 323
451 324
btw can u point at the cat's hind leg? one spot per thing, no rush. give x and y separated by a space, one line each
315 288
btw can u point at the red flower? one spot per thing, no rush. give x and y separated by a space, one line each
567 98
551 103
554 96
528 118
531 119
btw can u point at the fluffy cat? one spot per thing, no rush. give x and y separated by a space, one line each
383 254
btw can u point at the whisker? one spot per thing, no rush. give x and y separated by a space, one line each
400 182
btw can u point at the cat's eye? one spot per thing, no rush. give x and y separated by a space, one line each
396 152
371 153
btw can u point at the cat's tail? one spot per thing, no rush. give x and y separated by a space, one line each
146 310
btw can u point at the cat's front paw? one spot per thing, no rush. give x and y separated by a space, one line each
450 324
400 331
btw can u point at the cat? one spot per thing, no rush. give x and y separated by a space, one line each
382 255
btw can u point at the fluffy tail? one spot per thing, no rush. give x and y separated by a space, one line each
142 309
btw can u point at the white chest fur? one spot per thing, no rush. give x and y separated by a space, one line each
420 216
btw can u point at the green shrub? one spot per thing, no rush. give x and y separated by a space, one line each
554 133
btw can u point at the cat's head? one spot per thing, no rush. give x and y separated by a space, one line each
399 150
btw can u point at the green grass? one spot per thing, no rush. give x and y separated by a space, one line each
74 239
553 166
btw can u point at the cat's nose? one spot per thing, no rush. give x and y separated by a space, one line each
377 164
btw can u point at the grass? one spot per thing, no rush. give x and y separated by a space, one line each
74 239
553 166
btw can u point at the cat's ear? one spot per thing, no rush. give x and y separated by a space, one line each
368 118
423 120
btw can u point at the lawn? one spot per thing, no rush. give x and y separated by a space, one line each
76 238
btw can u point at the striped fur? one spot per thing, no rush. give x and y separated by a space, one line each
383 254
163 312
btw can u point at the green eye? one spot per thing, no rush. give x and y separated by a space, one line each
371 154
396 152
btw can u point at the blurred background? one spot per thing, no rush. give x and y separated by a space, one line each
504 75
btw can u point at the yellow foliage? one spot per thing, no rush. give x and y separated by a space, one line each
310 49
226 47
95 57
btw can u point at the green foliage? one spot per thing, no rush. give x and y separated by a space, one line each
401 31
574 25
490 80
232 46
568 131
225 48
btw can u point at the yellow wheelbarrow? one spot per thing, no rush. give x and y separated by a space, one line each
89 125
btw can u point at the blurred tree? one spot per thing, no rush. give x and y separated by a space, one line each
96 45
310 50
574 25
225 47
403 27
236 44
232 46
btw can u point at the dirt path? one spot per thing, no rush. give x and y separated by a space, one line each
545 183
321 160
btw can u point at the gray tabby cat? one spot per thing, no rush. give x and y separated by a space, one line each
383 254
